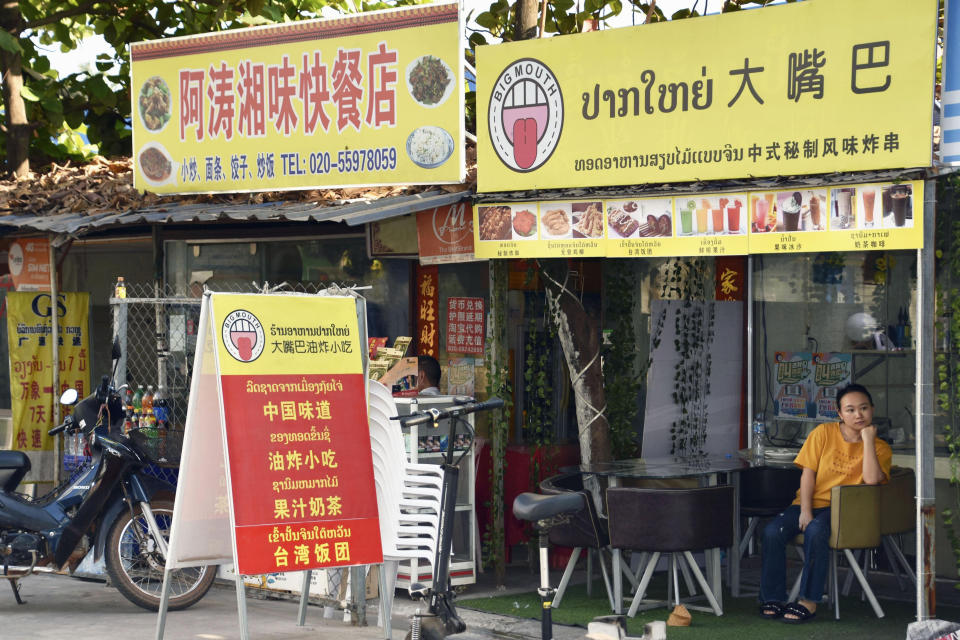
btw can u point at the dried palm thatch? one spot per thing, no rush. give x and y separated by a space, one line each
106 185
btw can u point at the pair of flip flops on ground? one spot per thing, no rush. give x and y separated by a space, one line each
777 610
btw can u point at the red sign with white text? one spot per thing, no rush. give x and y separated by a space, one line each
445 234
298 444
465 325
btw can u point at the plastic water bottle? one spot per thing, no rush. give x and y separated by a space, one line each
147 407
759 438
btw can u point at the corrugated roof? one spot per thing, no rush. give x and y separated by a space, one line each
351 212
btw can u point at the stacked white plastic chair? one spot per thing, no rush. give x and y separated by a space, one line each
408 501
408 498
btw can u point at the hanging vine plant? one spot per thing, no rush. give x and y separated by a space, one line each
498 384
622 379
538 419
694 323
947 341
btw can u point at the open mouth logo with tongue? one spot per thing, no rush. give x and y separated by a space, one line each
525 116
242 335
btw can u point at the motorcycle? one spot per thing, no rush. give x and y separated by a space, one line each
111 507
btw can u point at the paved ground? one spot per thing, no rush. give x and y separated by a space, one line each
59 607
73 609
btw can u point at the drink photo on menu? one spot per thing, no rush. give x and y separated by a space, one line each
842 208
897 203
800 210
869 207
763 213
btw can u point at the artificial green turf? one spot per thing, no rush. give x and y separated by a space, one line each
740 617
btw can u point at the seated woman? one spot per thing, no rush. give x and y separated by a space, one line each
835 453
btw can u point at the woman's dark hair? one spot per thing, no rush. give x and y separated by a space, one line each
853 388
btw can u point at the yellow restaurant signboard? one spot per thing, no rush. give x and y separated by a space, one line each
811 87
861 217
370 99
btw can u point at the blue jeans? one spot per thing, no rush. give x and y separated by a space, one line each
816 555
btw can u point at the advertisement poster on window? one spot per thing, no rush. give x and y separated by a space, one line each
793 89
831 372
793 385
372 98
29 262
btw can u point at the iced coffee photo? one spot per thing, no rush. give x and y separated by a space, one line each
897 202
814 210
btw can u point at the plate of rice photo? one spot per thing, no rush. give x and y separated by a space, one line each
429 147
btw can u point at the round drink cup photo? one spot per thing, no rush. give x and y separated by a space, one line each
733 219
868 196
843 208
686 221
717 219
814 206
900 201
789 207
701 221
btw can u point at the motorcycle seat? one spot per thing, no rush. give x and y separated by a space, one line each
14 465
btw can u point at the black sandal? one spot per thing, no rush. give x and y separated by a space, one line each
799 612
771 610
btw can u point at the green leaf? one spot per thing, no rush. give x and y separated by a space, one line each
52 104
27 94
9 43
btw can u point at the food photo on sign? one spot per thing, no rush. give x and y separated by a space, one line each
555 221
639 218
587 219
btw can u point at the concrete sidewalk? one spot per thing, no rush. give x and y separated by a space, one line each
60 607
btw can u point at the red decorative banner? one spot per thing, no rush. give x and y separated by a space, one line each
465 325
428 303
730 278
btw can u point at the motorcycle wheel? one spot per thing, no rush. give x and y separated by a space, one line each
137 571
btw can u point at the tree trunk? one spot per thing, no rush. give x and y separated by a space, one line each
18 128
526 27
579 332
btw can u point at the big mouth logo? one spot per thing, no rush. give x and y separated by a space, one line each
525 115
242 335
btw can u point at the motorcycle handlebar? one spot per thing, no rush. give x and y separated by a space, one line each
67 422
432 416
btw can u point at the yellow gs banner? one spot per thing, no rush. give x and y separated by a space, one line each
860 217
810 87
371 99
29 331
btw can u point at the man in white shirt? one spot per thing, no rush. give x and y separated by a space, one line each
428 376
